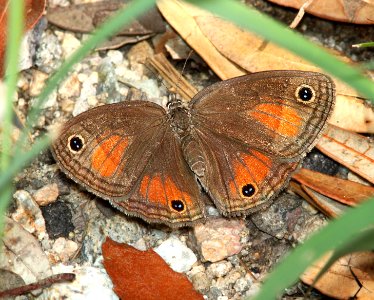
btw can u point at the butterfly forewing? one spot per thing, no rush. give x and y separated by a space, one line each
264 110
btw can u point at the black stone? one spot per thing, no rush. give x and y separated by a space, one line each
58 219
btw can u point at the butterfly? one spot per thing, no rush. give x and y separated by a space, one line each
239 140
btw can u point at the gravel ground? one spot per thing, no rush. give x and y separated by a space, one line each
70 223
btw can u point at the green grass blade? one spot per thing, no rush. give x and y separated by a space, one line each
14 33
283 36
334 235
364 45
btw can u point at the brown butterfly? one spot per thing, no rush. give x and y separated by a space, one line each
239 139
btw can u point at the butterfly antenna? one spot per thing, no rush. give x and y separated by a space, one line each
184 67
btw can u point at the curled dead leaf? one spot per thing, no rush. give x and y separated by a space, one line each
144 274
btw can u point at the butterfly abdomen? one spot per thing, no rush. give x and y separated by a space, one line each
193 155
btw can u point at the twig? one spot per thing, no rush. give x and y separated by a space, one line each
46 282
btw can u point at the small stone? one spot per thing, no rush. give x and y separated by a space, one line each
70 88
201 282
195 270
90 283
67 105
242 284
69 44
28 214
116 57
58 217
108 81
48 56
176 254
228 281
219 269
37 82
219 238
140 245
46 194
64 248
139 53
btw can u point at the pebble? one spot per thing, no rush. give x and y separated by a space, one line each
118 228
219 269
138 55
219 238
230 279
49 54
37 82
201 282
71 87
28 214
176 254
115 56
69 44
47 194
108 81
91 283
65 249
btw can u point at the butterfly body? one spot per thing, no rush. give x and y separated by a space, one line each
240 140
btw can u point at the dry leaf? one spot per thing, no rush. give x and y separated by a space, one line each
351 277
327 206
352 150
231 51
353 11
22 254
33 11
87 17
344 191
144 274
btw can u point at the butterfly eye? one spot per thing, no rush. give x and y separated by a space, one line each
178 205
305 93
76 143
248 190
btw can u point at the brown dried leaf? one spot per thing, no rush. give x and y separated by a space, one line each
327 206
351 277
344 191
352 150
22 254
231 51
144 274
88 16
353 11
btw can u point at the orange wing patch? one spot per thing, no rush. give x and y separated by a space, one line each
250 172
282 119
163 192
107 156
